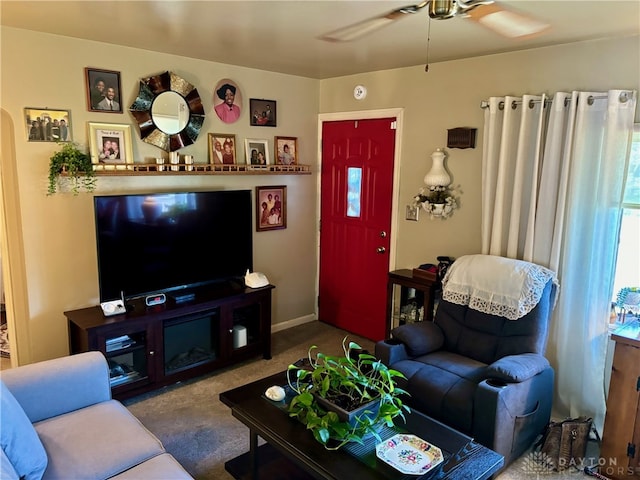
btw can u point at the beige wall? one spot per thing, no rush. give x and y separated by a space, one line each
42 70
449 96
59 241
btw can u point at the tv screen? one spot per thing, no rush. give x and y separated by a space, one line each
163 242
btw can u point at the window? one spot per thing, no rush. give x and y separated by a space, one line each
628 263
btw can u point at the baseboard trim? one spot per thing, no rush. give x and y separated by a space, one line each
294 322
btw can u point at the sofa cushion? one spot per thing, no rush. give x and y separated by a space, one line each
419 338
96 442
162 467
7 472
19 439
517 368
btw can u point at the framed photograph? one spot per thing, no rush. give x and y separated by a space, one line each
263 112
222 148
412 213
103 90
227 100
256 152
110 146
286 150
271 208
48 125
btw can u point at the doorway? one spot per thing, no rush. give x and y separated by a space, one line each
358 203
14 284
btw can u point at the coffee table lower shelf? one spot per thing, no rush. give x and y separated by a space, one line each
271 463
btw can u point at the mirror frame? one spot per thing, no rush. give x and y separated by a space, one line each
150 88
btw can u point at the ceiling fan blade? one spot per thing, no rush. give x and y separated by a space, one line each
365 27
505 22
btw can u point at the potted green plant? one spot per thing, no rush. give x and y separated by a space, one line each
346 398
73 164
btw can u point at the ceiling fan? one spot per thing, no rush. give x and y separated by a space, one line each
486 12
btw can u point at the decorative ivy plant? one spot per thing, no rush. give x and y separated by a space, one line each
75 165
350 381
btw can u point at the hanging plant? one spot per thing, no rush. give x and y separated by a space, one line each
437 200
75 166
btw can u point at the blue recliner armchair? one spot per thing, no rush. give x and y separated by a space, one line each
479 366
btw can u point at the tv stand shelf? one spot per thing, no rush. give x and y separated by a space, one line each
151 347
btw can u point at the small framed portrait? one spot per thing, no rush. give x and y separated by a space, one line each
412 213
110 146
103 90
256 152
271 208
222 149
286 150
227 100
263 112
48 125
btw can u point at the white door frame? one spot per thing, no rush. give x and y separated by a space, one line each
362 115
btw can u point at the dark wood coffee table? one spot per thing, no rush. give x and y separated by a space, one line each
292 453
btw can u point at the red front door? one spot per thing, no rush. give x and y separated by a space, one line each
355 215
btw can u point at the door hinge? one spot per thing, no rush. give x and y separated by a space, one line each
394 125
355 125
638 385
631 450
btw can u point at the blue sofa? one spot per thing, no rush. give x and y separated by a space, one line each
58 421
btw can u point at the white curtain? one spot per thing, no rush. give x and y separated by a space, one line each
552 189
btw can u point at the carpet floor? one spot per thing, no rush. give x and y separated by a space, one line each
200 432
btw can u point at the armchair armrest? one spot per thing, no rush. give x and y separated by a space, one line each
419 338
390 351
53 387
517 368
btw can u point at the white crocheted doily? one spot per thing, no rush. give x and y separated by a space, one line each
496 285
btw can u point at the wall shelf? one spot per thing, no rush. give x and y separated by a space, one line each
200 169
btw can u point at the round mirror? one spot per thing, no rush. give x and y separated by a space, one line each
169 111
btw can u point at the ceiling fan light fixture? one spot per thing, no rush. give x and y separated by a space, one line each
508 23
441 9
358 30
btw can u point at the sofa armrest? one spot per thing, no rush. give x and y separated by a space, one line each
517 368
53 387
390 351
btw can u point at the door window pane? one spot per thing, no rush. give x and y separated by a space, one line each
354 192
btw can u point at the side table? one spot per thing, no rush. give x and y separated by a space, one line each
410 298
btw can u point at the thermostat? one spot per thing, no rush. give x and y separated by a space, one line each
360 92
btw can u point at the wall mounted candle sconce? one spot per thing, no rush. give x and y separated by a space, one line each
438 196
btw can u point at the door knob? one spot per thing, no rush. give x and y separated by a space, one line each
381 250
383 234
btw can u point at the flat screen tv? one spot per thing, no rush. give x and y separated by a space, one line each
166 242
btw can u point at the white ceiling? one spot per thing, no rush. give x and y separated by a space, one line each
282 36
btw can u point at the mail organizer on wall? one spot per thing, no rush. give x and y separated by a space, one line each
461 137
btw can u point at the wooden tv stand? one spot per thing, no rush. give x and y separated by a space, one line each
151 347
